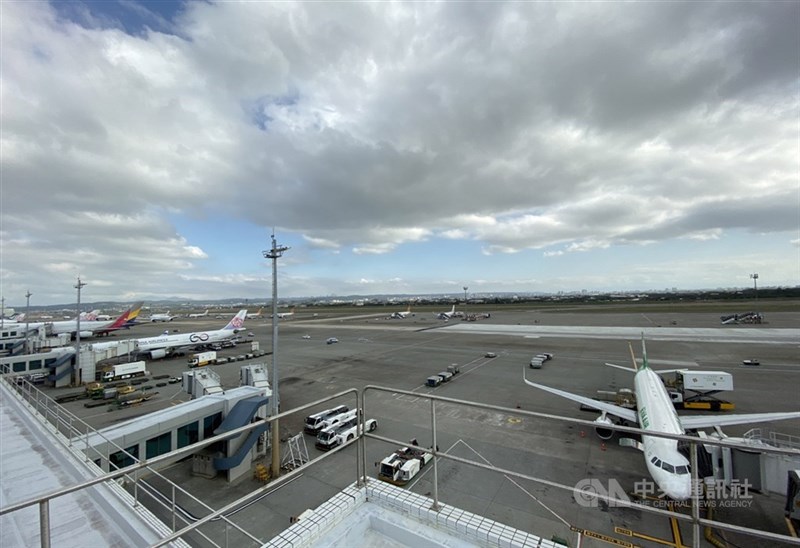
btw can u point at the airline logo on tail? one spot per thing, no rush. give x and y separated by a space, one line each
237 322
123 318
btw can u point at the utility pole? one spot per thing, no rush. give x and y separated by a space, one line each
78 286
2 311
27 319
465 301
274 253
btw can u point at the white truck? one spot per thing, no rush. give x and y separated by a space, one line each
343 432
402 465
202 358
124 371
698 390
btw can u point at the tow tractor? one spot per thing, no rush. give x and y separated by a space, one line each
402 465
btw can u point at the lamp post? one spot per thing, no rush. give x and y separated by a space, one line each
27 318
465 301
755 287
274 253
80 285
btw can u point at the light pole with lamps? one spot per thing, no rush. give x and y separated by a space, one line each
80 285
755 287
274 253
465 301
27 318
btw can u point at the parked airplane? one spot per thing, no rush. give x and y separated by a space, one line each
161 317
198 315
401 315
253 315
89 328
283 315
164 345
656 413
447 315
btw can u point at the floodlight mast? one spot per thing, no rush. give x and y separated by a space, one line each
27 320
274 253
78 286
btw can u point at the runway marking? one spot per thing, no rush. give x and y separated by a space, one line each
484 459
604 538
676 543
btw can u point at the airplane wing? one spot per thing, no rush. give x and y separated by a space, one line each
610 408
700 421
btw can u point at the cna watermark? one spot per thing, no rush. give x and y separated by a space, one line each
711 493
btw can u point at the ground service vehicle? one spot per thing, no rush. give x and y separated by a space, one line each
751 361
433 381
338 419
402 465
341 433
314 423
202 358
445 376
538 360
332 340
698 389
124 371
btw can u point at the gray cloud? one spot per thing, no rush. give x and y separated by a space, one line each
364 127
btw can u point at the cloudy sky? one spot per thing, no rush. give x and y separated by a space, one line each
152 147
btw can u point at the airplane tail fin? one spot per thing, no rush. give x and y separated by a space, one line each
644 364
90 316
129 314
134 313
237 321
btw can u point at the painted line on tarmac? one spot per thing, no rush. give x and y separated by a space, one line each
484 459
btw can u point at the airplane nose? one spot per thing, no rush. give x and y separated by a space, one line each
679 488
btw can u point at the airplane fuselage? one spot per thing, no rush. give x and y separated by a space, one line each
184 340
656 413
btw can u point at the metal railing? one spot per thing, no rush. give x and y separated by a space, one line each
695 519
135 472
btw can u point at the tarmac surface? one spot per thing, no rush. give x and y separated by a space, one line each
399 354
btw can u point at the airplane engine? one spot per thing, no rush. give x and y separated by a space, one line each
157 354
603 433
86 334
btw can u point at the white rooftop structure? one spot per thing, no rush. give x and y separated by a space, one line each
34 463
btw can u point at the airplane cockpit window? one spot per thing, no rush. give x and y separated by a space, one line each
682 469
654 460
668 467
